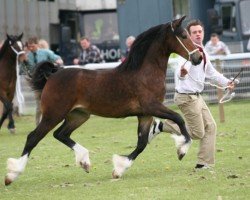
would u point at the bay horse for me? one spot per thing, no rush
(11, 49)
(134, 88)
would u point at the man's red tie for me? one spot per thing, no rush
(203, 55)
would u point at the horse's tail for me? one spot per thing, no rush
(41, 74)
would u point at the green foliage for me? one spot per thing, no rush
(156, 174)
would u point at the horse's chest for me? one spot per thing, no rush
(9, 81)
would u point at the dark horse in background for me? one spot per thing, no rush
(134, 88)
(11, 48)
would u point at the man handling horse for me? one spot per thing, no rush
(189, 83)
(34, 56)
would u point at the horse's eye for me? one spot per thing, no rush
(184, 36)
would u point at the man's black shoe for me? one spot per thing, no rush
(199, 166)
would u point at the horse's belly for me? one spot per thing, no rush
(114, 110)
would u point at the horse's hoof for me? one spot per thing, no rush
(180, 155)
(85, 166)
(115, 175)
(7, 181)
(12, 130)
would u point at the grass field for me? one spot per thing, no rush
(156, 174)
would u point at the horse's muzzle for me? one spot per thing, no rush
(196, 58)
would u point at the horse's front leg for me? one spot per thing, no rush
(15, 167)
(122, 163)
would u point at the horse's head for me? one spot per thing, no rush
(15, 43)
(183, 45)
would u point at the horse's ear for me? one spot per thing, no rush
(178, 22)
(8, 37)
(20, 36)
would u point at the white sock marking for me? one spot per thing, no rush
(121, 163)
(81, 154)
(180, 143)
(16, 166)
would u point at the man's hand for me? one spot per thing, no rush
(183, 71)
(23, 57)
(231, 85)
(76, 61)
(59, 61)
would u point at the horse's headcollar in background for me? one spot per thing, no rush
(18, 48)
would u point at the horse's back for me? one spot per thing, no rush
(100, 92)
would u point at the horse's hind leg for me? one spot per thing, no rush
(16, 166)
(182, 141)
(121, 163)
(73, 120)
(11, 124)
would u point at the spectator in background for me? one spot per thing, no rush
(1, 43)
(43, 44)
(129, 41)
(36, 55)
(216, 47)
(89, 53)
(248, 45)
(29, 61)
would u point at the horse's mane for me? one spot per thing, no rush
(141, 45)
(3, 48)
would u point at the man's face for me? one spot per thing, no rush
(85, 44)
(32, 47)
(214, 40)
(197, 34)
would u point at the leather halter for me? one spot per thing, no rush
(189, 52)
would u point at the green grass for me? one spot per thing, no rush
(156, 174)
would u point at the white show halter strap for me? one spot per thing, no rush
(189, 52)
(19, 94)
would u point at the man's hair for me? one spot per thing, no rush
(84, 38)
(214, 35)
(194, 22)
(32, 40)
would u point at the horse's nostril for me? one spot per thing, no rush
(200, 59)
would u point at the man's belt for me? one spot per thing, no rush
(192, 93)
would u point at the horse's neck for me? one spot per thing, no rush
(9, 58)
(153, 70)
(12, 55)
(159, 56)
(158, 63)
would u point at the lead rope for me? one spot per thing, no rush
(19, 94)
(224, 99)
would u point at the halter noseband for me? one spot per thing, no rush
(189, 52)
(15, 51)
